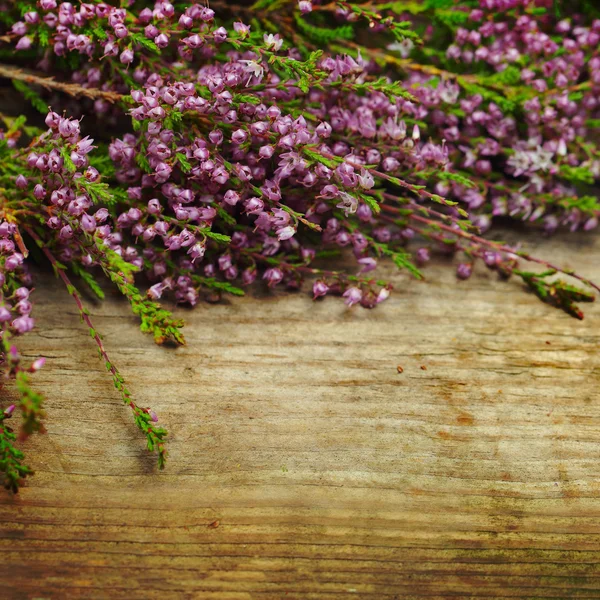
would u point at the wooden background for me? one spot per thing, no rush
(302, 465)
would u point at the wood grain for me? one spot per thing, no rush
(303, 465)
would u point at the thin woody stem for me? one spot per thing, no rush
(498, 246)
(127, 399)
(50, 83)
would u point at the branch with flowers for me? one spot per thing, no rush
(192, 150)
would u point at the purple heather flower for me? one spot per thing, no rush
(285, 233)
(23, 324)
(24, 43)
(242, 29)
(88, 223)
(352, 295)
(13, 262)
(272, 42)
(239, 136)
(422, 256)
(320, 288)
(162, 40)
(273, 276)
(220, 35)
(348, 203)
(38, 364)
(383, 295)
(367, 264)
(207, 14)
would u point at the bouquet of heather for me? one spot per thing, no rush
(193, 149)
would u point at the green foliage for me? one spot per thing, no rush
(31, 405)
(184, 163)
(66, 156)
(580, 174)
(213, 235)
(99, 33)
(405, 6)
(438, 4)
(221, 286)
(392, 89)
(154, 319)
(99, 192)
(509, 76)
(268, 5)
(245, 99)
(11, 459)
(14, 124)
(371, 202)
(173, 119)
(324, 35)
(586, 204)
(557, 293)
(142, 161)
(223, 214)
(488, 94)
(88, 279)
(44, 37)
(141, 40)
(401, 30)
(457, 178)
(317, 157)
(101, 161)
(305, 72)
(452, 18)
(31, 96)
(155, 435)
(401, 259)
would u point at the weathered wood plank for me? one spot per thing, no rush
(302, 465)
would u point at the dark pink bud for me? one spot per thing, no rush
(31, 17)
(239, 136)
(207, 14)
(92, 174)
(23, 324)
(88, 223)
(305, 6)
(22, 293)
(13, 261)
(249, 275)
(273, 276)
(320, 288)
(215, 136)
(162, 40)
(154, 207)
(185, 22)
(52, 120)
(126, 56)
(39, 192)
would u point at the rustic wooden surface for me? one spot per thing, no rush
(302, 465)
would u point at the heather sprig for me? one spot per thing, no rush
(251, 141)
(11, 458)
